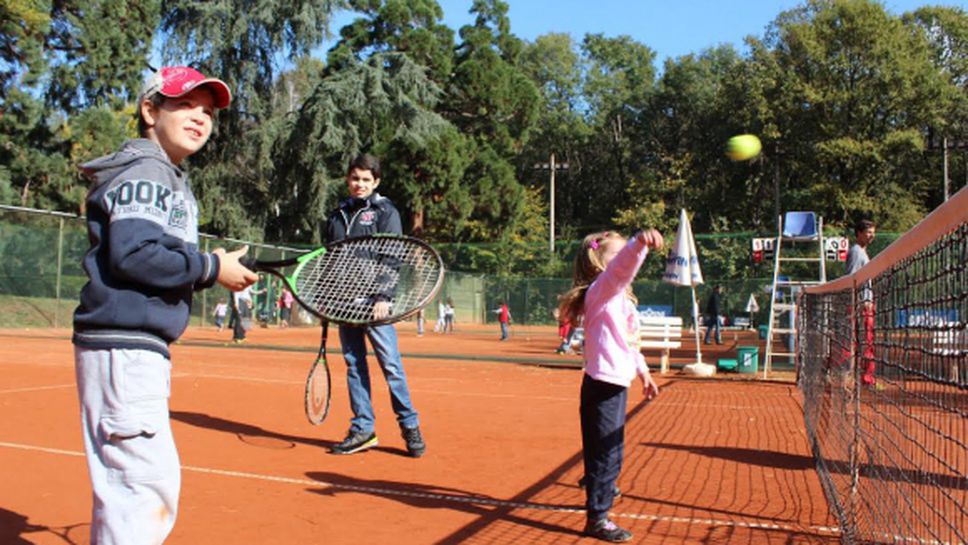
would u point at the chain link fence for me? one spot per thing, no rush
(41, 278)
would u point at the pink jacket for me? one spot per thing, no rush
(611, 321)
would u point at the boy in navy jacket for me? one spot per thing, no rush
(143, 266)
(366, 212)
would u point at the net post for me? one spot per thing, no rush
(60, 262)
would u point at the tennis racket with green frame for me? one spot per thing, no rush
(363, 281)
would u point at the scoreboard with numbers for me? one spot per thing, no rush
(835, 249)
(763, 248)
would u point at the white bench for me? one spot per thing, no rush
(662, 332)
(952, 344)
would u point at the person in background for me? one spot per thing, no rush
(713, 312)
(503, 318)
(441, 324)
(564, 334)
(366, 212)
(420, 323)
(241, 314)
(449, 316)
(857, 258)
(285, 307)
(221, 311)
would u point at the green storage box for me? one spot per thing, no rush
(726, 364)
(748, 358)
(764, 330)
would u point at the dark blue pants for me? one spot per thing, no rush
(603, 442)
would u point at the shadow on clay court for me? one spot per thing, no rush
(261, 437)
(13, 526)
(796, 462)
(763, 458)
(433, 497)
(247, 433)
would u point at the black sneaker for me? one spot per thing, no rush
(616, 491)
(415, 442)
(607, 530)
(355, 442)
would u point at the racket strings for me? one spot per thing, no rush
(346, 282)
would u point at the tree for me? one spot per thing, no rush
(617, 85)
(490, 97)
(424, 175)
(946, 30)
(854, 94)
(413, 27)
(59, 61)
(371, 106)
(555, 65)
(244, 44)
(494, 104)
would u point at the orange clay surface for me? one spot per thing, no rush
(709, 461)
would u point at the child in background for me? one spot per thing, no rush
(564, 333)
(601, 295)
(221, 311)
(441, 317)
(285, 307)
(449, 316)
(503, 318)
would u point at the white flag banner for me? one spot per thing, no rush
(682, 269)
(682, 265)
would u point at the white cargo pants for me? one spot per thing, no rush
(131, 456)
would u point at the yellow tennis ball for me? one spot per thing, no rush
(743, 147)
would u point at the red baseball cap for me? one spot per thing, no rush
(176, 81)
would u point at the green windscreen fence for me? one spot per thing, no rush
(41, 277)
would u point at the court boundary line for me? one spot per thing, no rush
(476, 500)
(36, 388)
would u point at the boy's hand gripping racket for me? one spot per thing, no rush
(370, 280)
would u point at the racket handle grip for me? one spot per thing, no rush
(249, 263)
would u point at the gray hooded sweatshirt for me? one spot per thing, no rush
(144, 263)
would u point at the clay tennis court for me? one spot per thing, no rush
(708, 461)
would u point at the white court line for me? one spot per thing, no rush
(705, 406)
(36, 388)
(475, 500)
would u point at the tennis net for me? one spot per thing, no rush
(883, 367)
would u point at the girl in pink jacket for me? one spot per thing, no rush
(601, 294)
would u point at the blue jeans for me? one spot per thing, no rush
(713, 323)
(504, 331)
(383, 338)
(602, 413)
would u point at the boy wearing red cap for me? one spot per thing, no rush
(143, 266)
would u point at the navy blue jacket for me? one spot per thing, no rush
(144, 263)
(357, 217)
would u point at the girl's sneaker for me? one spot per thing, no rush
(607, 530)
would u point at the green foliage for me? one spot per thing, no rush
(23, 23)
(849, 80)
(374, 105)
(243, 44)
(100, 47)
(851, 103)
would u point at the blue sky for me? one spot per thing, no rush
(671, 28)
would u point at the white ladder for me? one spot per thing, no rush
(782, 303)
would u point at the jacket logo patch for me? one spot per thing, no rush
(142, 199)
(179, 215)
(367, 217)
